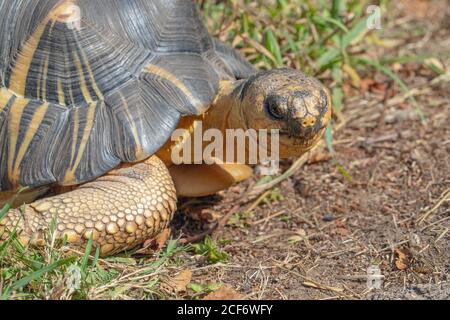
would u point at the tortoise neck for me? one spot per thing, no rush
(225, 111)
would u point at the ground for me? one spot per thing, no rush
(375, 194)
(318, 241)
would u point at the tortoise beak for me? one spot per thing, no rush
(308, 126)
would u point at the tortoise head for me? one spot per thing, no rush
(285, 99)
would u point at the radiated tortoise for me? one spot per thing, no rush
(90, 93)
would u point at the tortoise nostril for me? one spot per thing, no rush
(308, 122)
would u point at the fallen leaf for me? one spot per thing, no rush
(401, 261)
(155, 244)
(224, 293)
(161, 239)
(177, 284)
(366, 84)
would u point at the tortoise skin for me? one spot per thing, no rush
(86, 85)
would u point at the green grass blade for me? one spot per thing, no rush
(330, 56)
(354, 34)
(272, 45)
(36, 275)
(332, 21)
(5, 210)
(96, 257)
(87, 252)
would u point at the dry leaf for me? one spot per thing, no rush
(161, 239)
(178, 283)
(224, 293)
(366, 84)
(155, 244)
(402, 259)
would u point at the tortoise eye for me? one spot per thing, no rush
(273, 107)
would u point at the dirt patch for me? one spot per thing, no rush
(391, 212)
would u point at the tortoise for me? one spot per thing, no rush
(90, 94)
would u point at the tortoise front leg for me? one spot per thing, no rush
(119, 210)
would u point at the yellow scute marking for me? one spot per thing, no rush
(162, 73)
(70, 174)
(91, 75)
(15, 115)
(139, 152)
(21, 69)
(5, 96)
(83, 86)
(29, 135)
(61, 98)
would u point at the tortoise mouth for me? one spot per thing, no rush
(295, 145)
(297, 132)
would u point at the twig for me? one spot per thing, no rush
(268, 218)
(445, 196)
(308, 282)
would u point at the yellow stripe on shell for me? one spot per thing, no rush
(91, 74)
(76, 124)
(72, 100)
(18, 80)
(139, 153)
(59, 88)
(34, 125)
(44, 70)
(5, 96)
(44, 78)
(70, 174)
(15, 115)
(83, 86)
(166, 75)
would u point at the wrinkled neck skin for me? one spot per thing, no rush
(225, 112)
(228, 112)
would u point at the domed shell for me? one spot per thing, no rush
(87, 84)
